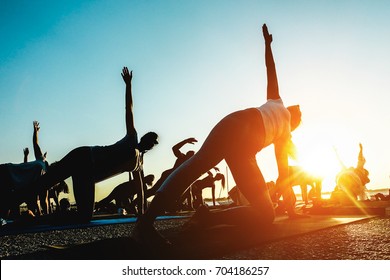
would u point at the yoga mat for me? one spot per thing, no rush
(14, 228)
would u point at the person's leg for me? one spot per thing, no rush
(44, 202)
(241, 159)
(210, 154)
(8, 209)
(145, 199)
(84, 188)
(139, 190)
(221, 139)
(176, 183)
(32, 204)
(251, 184)
(72, 163)
(303, 187)
(84, 194)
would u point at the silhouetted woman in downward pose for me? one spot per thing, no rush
(237, 138)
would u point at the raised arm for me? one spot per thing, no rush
(361, 159)
(178, 146)
(127, 77)
(37, 150)
(272, 80)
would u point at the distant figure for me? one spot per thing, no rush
(16, 179)
(237, 139)
(54, 193)
(64, 205)
(37, 203)
(180, 158)
(208, 182)
(192, 198)
(381, 196)
(44, 206)
(351, 182)
(124, 194)
(89, 165)
(302, 178)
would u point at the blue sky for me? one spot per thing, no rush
(194, 62)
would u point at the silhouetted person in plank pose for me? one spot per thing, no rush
(88, 165)
(124, 194)
(192, 198)
(351, 182)
(237, 138)
(207, 182)
(54, 193)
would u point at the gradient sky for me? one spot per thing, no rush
(194, 62)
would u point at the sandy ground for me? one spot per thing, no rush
(363, 240)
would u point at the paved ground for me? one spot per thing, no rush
(363, 240)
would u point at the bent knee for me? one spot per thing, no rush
(265, 212)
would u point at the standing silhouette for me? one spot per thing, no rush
(237, 138)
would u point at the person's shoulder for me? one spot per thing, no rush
(274, 104)
(130, 137)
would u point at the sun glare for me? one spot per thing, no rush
(321, 157)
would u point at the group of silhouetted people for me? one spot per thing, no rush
(86, 166)
(236, 138)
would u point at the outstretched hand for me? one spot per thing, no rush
(26, 151)
(267, 36)
(126, 75)
(36, 126)
(191, 140)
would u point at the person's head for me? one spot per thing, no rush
(221, 177)
(190, 154)
(148, 141)
(149, 179)
(62, 187)
(363, 175)
(64, 205)
(295, 116)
